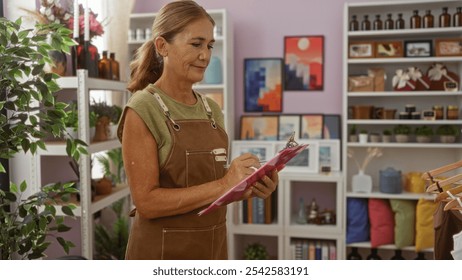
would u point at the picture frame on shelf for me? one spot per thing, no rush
(389, 49)
(365, 49)
(329, 154)
(304, 63)
(288, 124)
(332, 126)
(312, 126)
(448, 47)
(419, 48)
(264, 150)
(263, 84)
(259, 127)
(307, 161)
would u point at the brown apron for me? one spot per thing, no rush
(198, 155)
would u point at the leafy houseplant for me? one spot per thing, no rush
(353, 137)
(112, 158)
(402, 132)
(28, 111)
(423, 134)
(447, 133)
(386, 136)
(255, 251)
(103, 112)
(71, 120)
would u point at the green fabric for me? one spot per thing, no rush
(404, 211)
(148, 108)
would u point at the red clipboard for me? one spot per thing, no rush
(277, 162)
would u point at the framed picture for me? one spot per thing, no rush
(312, 126)
(448, 47)
(263, 84)
(329, 154)
(332, 127)
(361, 49)
(259, 128)
(389, 49)
(304, 63)
(264, 150)
(306, 161)
(217, 97)
(289, 124)
(421, 48)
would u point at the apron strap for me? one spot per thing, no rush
(208, 110)
(165, 109)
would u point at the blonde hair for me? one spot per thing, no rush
(172, 19)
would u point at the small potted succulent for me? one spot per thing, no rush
(375, 137)
(402, 133)
(255, 251)
(423, 134)
(448, 133)
(353, 137)
(363, 135)
(386, 136)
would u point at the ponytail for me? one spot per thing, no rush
(146, 68)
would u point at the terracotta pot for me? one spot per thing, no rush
(102, 128)
(362, 112)
(103, 186)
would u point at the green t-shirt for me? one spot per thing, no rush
(148, 108)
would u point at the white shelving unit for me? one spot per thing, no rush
(411, 156)
(279, 236)
(83, 85)
(223, 49)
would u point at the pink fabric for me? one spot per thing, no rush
(382, 223)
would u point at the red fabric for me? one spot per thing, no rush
(382, 222)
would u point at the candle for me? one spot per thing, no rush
(76, 19)
(87, 22)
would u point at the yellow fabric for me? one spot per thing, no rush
(414, 182)
(425, 233)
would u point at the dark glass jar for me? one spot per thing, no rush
(105, 67)
(354, 255)
(415, 20)
(354, 24)
(87, 57)
(445, 18)
(400, 23)
(457, 18)
(439, 112)
(366, 24)
(428, 19)
(115, 67)
(389, 23)
(378, 25)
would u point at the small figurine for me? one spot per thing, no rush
(313, 216)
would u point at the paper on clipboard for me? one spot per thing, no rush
(277, 162)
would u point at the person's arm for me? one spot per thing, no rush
(141, 164)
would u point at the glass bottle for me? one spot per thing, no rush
(373, 255)
(398, 255)
(104, 67)
(457, 18)
(415, 20)
(354, 255)
(389, 23)
(378, 23)
(400, 23)
(87, 57)
(354, 24)
(366, 24)
(115, 67)
(428, 19)
(445, 18)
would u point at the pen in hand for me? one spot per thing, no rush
(226, 166)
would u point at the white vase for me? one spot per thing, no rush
(363, 138)
(361, 183)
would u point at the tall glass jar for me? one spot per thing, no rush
(428, 19)
(400, 23)
(378, 25)
(366, 24)
(445, 18)
(415, 20)
(354, 24)
(452, 112)
(389, 23)
(457, 18)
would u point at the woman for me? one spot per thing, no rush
(174, 145)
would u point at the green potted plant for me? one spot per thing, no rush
(29, 112)
(423, 134)
(116, 113)
(255, 251)
(363, 135)
(375, 137)
(386, 136)
(353, 137)
(402, 133)
(71, 121)
(448, 133)
(103, 112)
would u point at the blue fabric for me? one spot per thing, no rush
(358, 228)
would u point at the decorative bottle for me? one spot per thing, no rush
(366, 24)
(428, 19)
(87, 58)
(445, 18)
(400, 23)
(378, 23)
(398, 255)
(457, 18)
(373, 255)
(354, 24)
(389, 23)
(115, 67)
(104, 67)
(354, 255)
(415, 20)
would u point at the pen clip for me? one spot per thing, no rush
(291, 142)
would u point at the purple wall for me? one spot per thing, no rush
(259, 30)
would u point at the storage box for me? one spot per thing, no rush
(379, 78)
(360, 83)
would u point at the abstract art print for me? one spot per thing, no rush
(259, 127)
(263, 84)
(312, 126)
(288, 124)
(304, 63)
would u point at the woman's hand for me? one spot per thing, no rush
(266, 185)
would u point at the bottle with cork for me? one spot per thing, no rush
(115, 67)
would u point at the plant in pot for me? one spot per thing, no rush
(29, 113)
(423, 134)
(255, 251)
(103, 112)
(116, 113)
(363, 135)
(353, 137)
(386, 136)
(71, 121)
(402, 133)
(448, 133)
(375, 137)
